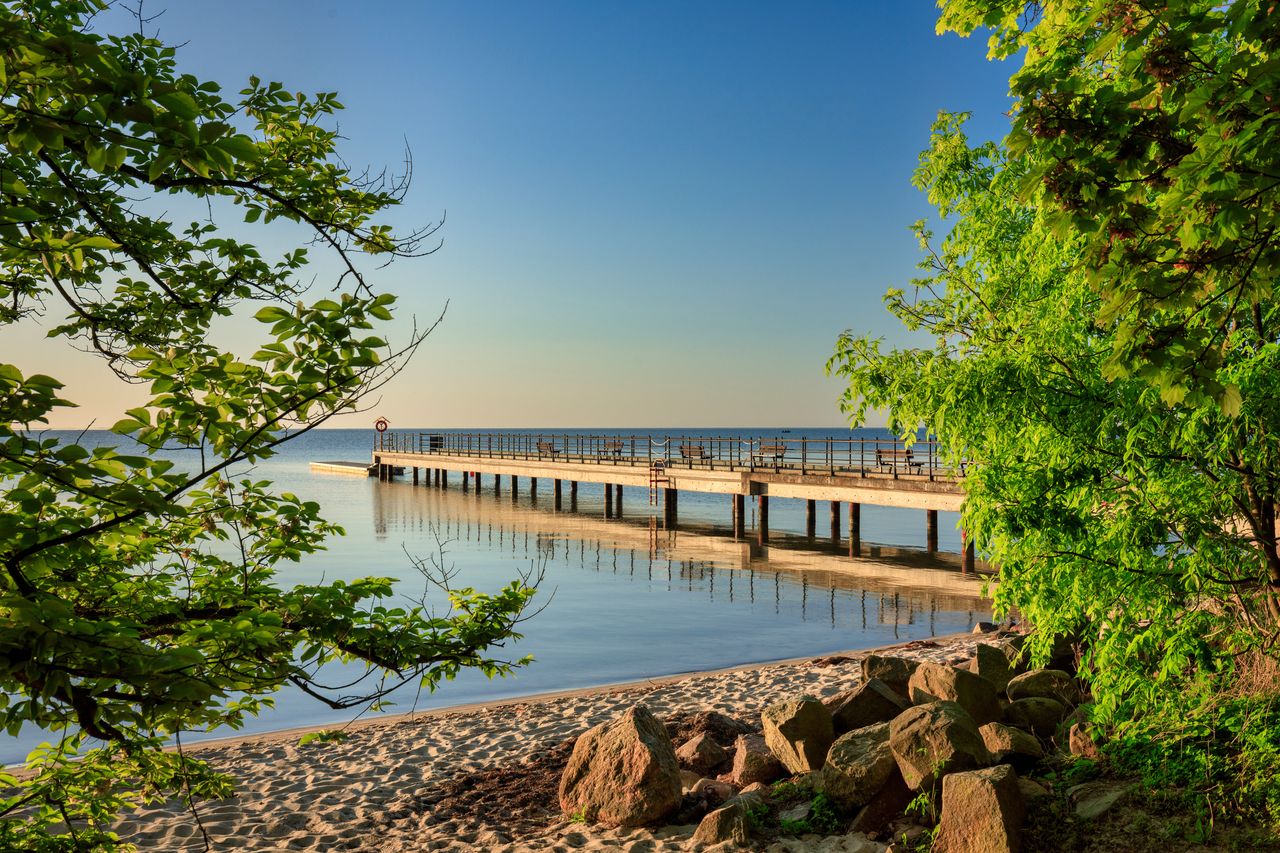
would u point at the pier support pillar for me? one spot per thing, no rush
(670, 504)
(444, 478)
(608, 500)
(835, 522)
(533, 489)
(555, 494)
(497, 485)
(739, 516)
(617, 501)
(415, 475)
(966, 554)
(515, 488)
(931, 530)
(466, 478)
(855, 530)
(810, 518)
(762, 522)
(573, 495)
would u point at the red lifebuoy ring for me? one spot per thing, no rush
(381, 424)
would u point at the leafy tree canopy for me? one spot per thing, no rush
(138, 598)
(1106, 331)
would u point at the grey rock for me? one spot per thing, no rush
(893, 671)
(865, 705)
(1044, 684)
(935, 738)
(932, 682)
(799, 732)
(1036, 715)
(982, 812)
(623, 772)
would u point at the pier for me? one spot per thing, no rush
(835, 471)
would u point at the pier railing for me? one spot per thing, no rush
(848, 456)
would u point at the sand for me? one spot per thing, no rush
(378, 789)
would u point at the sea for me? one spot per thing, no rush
(621, 598)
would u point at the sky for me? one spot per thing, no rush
(657, 214)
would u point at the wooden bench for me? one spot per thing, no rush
(546, 448)
(895, 459)
(769, 454)
(613, 448)
(695, 453)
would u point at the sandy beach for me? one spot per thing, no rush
(471, 778)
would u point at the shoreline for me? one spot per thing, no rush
(551, 695)
(424, 780)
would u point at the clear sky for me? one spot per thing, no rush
(659, 214)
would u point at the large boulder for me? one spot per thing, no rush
(935, 738)
(857, 767)
(865, 705)
(729, 823)
(622, 773)
(893, 671)
(1044, 684)
(799, 732)
(754, 762)
(933, 682)
(1008, 745)
(1036, 715)
(885, 807)
(982, 812)
(996, 662)
(701, 754)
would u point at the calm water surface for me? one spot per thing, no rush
(622, 598)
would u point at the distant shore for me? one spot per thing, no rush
(384, 786)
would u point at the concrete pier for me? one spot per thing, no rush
(850, 470)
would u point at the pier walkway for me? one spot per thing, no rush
(836, 470)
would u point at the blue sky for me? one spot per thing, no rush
(659, 214)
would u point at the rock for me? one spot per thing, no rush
(1094, 798)
(995, 663)
(622, 773)
(982, 812)
(937, 737)
(867, 704)
(753, 762)
(756, 789)
(984, 627)
(795, 813)
(1044, 684)
(895, 672)
(701, 754)
(932, 682)
(722, 728)
(1008, 745)
(726, 824)
(1036, 715)
(857, 767)
(887, 804)
(717, 792)
(799, 732)
(688, 779)
(1031, 789)
(1080, 741)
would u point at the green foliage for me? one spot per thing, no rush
(323, 736)
(139, 598)
(1215, 755)
(1106, 341)
(1102, 505)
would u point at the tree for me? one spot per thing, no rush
(139, 598)
(1106, 332)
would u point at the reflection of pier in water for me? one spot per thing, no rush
(889, 586)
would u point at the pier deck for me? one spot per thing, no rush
(855, 471)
